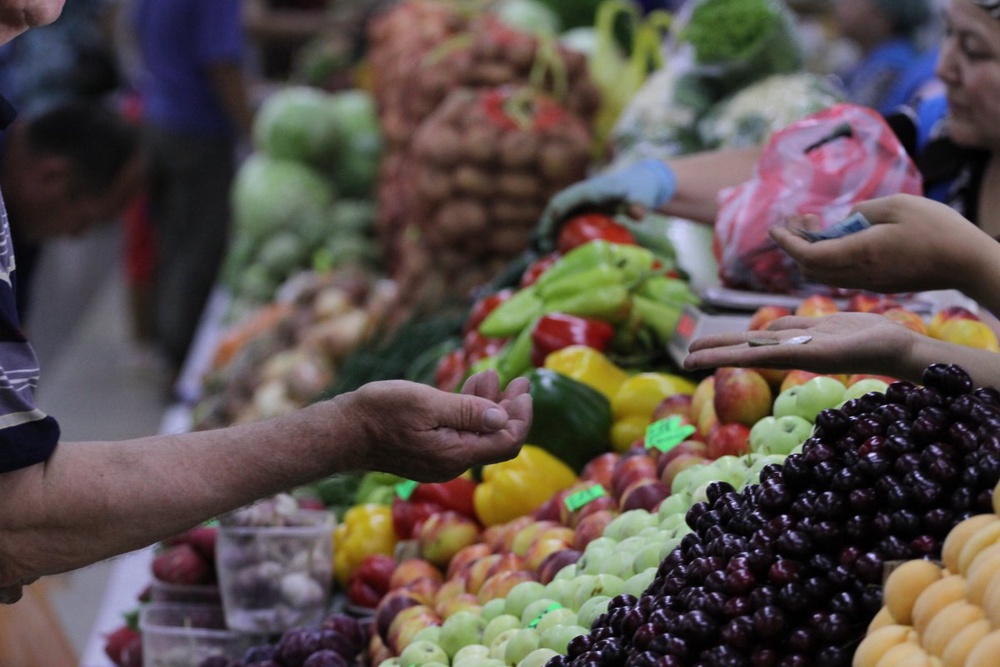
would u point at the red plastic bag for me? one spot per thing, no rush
(822, 164)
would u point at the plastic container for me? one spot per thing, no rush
(182, 635)
(275, 577)
(161, 591)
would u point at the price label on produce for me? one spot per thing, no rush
(405, 489)
(575, 501)
(667, 433)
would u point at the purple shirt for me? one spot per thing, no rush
(178, 39)
(27, 435)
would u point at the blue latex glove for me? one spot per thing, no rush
(650, 183)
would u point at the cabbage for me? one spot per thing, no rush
(528, 16)
(299, 123)
(270, 194)
(355, 169)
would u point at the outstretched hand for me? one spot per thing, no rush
(429, 435)
(914, 244)
(840, 343)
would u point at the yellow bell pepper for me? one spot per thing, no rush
(365, 529)
(589, 366)
(519, 486)
(633, 404)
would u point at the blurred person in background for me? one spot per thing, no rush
(892, 37)
(63, 171)
(196, 113)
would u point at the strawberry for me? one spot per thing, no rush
(120, 645)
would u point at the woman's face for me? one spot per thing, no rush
(969, 66)
(16, 16)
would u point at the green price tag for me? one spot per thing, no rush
(667, 433)
(538, 619)
(575, 501)
(405, 489)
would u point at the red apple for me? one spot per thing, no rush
(796, 377)
(689, 446)
(443, 534)
(510, 530)
(677, 404)
(600, 469)
(408, 623)
(707, 419)
(742, 396)
(478, 571)
(591, 527)
(455, 604)
(866, 302)
(450, 588)
(631, 469)
(729, 440)
(704, 393)
(410, 570)
(856, 377)
(541, 548)
(644, 495)
(500, 584)
(571, 519)
(945, 314)
(552, 509)
(907, 318)
(389, 607)
(524, 537)
(817, 305)
(556, 561)
(465, 556)
(765, 315)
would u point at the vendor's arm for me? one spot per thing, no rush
(842, 343)
(686, 187)
(914, 244)
(93, 500)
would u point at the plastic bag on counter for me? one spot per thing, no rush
(822, 164)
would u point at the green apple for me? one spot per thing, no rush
(561, 616)
(523, 642)
(676, 504)
(431, 633)
(628, 524)
(461, 629)
(786, 402)
(601, 584)
(779, 435)
(648, 556)
(537, 610)
(558, 637)
(760, 462)
(498, 647)
(639, 582)
(591, 609)
(390, 662)
(493, 608)
(557, 590)
(862, 387)
(522, 595)
(423, 652)
(818, 394)
(538, 658)
(671, 523)
(498, 626)
(470, 656)
(567, 573)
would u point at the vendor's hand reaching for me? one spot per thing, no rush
(641, 186)
(429, 435)
(840, 343)
(914, 244)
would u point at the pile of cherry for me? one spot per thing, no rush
(788, 572)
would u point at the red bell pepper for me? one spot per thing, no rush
(407, 516)
(477, 346)
(370, 580)
(450, 370)
(455, 495)
(557, 330)
(586, 227)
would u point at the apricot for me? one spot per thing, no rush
(947, 623)
(904, 584)
(979, 540)
(983, 570)
(934, 598)
(882, 619)
(959, 646)
(959, 535)
(877, 643)
(985, 652)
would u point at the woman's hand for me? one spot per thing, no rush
(839, 343)
(914, 244)
(429, 435)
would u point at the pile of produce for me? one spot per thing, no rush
(427, 78)
(484, 166)
(282, 357)
(304, 195)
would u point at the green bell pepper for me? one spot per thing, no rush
(571, 420)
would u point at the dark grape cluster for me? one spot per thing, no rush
(336, 642)
(788, 572)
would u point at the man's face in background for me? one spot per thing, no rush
(16, 16)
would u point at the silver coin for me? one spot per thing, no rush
(797, 340)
